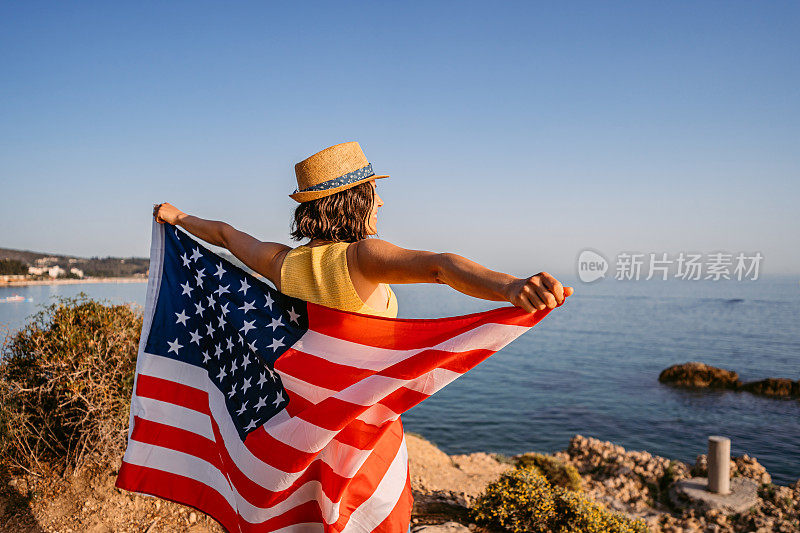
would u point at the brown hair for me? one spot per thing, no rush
(340, 217)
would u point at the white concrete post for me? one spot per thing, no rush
(719, 465)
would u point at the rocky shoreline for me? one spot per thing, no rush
(636, 483)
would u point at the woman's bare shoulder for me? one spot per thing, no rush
(383, 262)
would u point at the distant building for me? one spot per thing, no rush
(56, 271)
(38, 271)
(46, 261)
(77, 271)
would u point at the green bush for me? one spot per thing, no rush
(576, 512)
(522, 500)
(556, 471)
(65, 384)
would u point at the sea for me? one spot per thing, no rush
(591, 367)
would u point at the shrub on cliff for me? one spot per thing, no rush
(556, 471)
(522, 500)
(65, 384)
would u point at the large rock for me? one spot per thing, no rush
(695, 374)
(777, 387)
(455, 480)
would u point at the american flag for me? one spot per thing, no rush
(269, 413)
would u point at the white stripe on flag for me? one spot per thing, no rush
(173, 415)
(193, 467)
(490, 336)
(378, 506)
(345, 460)
(376, 415)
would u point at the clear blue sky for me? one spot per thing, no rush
(516, 134)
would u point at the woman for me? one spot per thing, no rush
(340, 266)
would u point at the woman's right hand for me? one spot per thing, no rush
(537, 292)
(166, 212)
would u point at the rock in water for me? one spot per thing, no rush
(695, 374)
(778, 387)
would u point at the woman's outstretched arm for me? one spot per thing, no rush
(256, 254)
(381, 262)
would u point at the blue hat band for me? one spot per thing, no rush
(345, 179)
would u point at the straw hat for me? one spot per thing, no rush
(334, 169)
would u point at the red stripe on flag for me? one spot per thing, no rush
(319, 371)
(316, 470)
(305, 512)
(371, 473)
(409, 334)
(428, 360)
(333, 485)
(336, 376)
(179, 489)
(176, 439)
(400, 517)
(172, 392)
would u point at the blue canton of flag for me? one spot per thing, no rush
(212, 314)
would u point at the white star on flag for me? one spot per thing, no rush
(187, 289)
(182, 318)
(276, 323)
(278, 399)
(222, 290)
(220, 271)
(248, 326)
(262, 402)
(244, 287)
(174, 347)
(276, 343)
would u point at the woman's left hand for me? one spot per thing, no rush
(166, 212)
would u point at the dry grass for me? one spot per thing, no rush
(65, 385)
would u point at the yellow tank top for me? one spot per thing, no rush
(319, 274)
